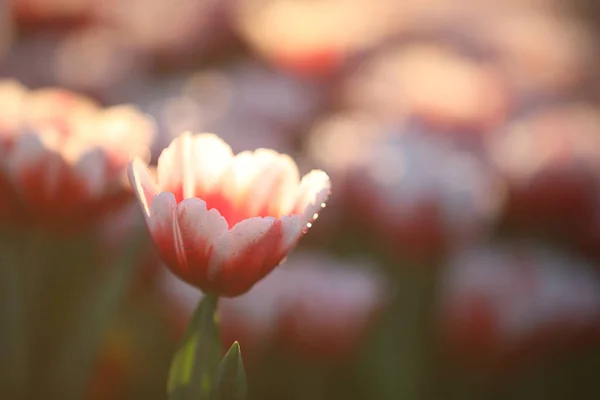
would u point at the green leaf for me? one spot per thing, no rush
(231, 377)
(195, 364)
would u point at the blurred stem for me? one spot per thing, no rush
(402, 358)
(78, 348)
(13, 320)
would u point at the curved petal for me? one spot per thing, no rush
(246, 254)
(125, 131)
(165, 232)
(260, 183)
(312, 195)
(42, 177)
(142, 183)
(199, 228)
(192, 164)
(12, 106)
(270, 192)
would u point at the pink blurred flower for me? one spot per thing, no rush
(422, 195)
(65, 157)
(540, 51)
(509, 304)
(551, 160)
(313, 306)
(305, 38)
(342, 144)
(223, 222)
(434, 83)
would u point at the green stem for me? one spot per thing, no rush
(78, 350)
(196, 362)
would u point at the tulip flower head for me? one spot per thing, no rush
(64, 157)
(510, 304)
(222, 222)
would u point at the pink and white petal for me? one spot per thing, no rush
(212, 157)
(246, 254)
(174, 166)
(126, 131)
(142, 183)
(13, 97)
(237, 176)
(165, 232)
(271, 191)
(313, 192)
(28, 157)
(200, 229)
(28, 149)
(92, 170)
(293, 229)
(191, 163)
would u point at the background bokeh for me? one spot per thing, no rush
(458, 256)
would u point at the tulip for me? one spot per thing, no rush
(279, 31)
(63, 157)
(550, 160)
(509, 305)
(222, 222)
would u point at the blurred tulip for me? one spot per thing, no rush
(505, 305)
(551, 159)
(313, 306)
(223, 222)
(422, 195)
(541, 53)
(12, 102)
(302, 36)
(67, 158)
(342, 144)
(443, 88)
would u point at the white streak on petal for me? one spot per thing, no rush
(142, 184)
(163, 220)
